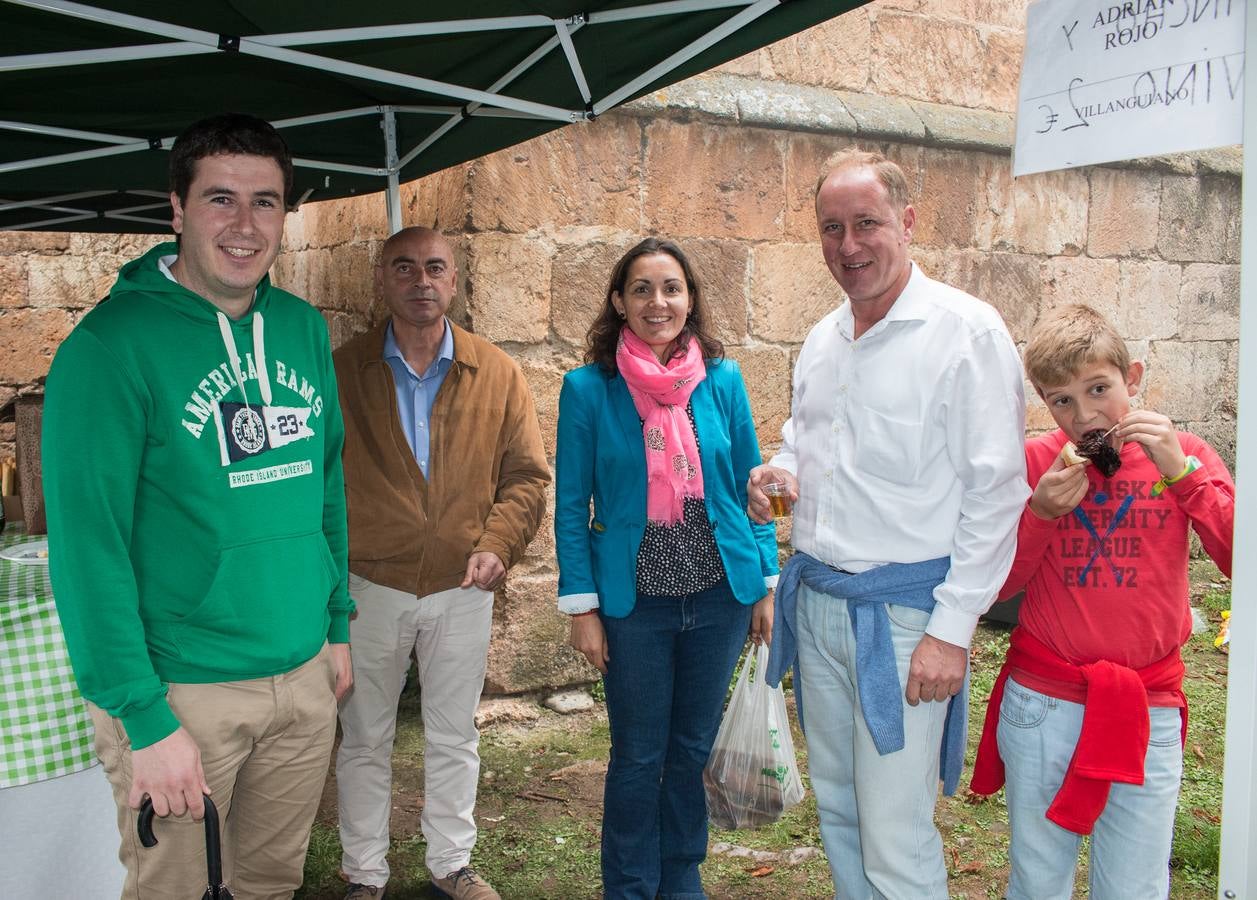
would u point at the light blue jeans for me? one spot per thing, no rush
(876, 812)
(1130, 844)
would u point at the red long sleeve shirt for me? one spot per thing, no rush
(1109, 580)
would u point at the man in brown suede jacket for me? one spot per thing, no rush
(445, 480)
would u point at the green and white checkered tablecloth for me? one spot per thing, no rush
(45, 730)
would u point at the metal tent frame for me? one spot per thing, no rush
(135, 206)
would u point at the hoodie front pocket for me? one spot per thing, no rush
(266, 608)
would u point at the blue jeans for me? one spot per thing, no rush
(876, 812)
(670, 663)
(1130, 844)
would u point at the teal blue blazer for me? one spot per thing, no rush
(600, 455)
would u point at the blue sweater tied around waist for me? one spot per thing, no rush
(881, 694)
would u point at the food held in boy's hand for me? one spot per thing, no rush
(1070, 454)
(1095, 446)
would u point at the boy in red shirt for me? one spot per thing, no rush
(1086, 722)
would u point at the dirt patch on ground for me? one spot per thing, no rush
(574, 790)
(570, 790)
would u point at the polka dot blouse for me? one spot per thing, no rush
(675, 560)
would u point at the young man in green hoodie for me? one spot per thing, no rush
(192, 470)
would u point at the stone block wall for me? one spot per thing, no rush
(725, 163)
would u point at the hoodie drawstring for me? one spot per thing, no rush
(259, 353)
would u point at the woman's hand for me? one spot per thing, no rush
(589, 638)
(762, 620)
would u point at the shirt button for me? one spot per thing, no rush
(842, 388)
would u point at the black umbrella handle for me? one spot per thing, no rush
(213, 843)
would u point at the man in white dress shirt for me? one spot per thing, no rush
(904, 446)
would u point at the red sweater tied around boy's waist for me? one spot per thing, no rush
(1115, 726)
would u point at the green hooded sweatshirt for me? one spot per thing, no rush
(196, 504)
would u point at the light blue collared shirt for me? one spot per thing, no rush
(416, 393)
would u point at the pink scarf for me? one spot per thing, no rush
(660, 394)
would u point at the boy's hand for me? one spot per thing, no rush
(1158, 437)
(1060, 489)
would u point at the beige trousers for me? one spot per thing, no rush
(265, 746)
(449, 634)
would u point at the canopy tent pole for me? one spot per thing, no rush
(409, 29)
(392, 196)
(67, 58)
(75, 133)
(44, 223)
(5, 206)
(128, 213)
(410, 82)
(471, 109)
(564, 30)
(1237, 870)
(115, 150)
(728, 27)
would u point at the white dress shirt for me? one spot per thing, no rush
(908, 445)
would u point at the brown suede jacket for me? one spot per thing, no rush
(487, 467)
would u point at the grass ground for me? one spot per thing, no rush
(541, 788)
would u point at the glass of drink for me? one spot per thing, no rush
(778, 498)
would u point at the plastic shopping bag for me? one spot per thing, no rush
(752, 776)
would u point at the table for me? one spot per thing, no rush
(58, 821)
(45, 730)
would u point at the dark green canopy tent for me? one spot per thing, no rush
(368, 94)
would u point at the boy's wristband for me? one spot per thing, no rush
(1166, 480)
(588, 612)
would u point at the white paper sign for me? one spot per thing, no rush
(1118, 79)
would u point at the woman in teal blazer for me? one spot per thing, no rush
(667, 576)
